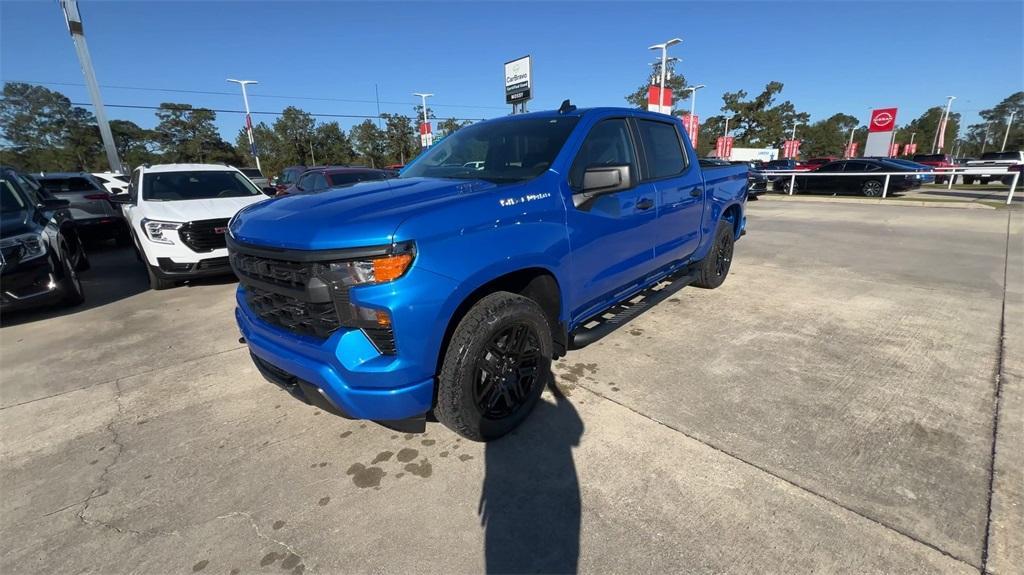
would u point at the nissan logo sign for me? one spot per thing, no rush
(883, 119)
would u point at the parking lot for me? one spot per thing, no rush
(850, 400)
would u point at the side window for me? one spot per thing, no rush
(607, 144)
(133, 186)
(662, 149)
(319, 182)
(79, 184)
(833, 167)
(305, 182)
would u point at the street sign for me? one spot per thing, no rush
(518, 83)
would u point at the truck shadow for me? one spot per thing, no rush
(530, 501)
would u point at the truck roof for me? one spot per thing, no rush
(580, 112)
(187, 168)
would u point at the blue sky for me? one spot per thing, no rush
(832, 56)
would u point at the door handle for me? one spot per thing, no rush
(696, 192)
(644, 204)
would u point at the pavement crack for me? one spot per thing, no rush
(997, 404)
(101, 489)
(260, 534)
(790, 482)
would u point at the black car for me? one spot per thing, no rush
(779, 165)
(757, 182)
(867, 184)
(40, 250)
(90, 205)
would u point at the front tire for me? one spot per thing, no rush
(715, 266)
(871, 189)
(71, 285)
(495, 367)
(156, 282)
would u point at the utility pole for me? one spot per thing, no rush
(1009, 124)
(664, 62)
(74, 21)
(248, 120)
(984, 140)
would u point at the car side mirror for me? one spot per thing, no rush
(53, 203)
(123, 199)
(607, 179)
(270, 191)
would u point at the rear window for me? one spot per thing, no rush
(1000, 156)
(198, 185)
(252, 172)
(74, 184)
(661, 147)
(931, 158)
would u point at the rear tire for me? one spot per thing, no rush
(871, 189)
(715, 266)
(495, 367)
(156, 282)
(785, 187)
(82, 261)
(968, 181)
(71, 285)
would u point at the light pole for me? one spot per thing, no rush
(725, 133)
(984, 139)
(942, 125)
(423, 99)
(849, 145)
(1009, 124)
(664, 61)
(248, 119)
(693, 98)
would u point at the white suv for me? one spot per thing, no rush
(178, 215)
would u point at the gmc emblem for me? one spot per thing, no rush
(222, 230)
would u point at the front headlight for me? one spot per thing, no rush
(373, 270)
(32, 245)
(154, 230)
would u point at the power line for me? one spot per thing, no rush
(218, 93)
(220, 110)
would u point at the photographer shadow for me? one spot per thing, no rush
(530, 501)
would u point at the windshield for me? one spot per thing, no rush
(10, 199)
(199, 185)
(1000, 156)
(289, 176)
(501, 151)
(252, 172)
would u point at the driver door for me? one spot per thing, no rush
(612, 235)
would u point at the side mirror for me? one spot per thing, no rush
(53, 203)
(123, 199)
(270, 191)
(607, 179)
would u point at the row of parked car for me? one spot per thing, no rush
(50, 218)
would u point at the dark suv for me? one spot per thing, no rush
(40, 250)
(90, 206)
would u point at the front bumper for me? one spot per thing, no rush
(28, 284)
(345, 369)
(167, 268)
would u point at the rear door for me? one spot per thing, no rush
(828, 183)
(679, 186)
(612, 235)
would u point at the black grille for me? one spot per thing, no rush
(382, 338)
(204, 235)
(288, 274)
(213, 263)
(293, 314)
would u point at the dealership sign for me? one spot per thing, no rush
(653, 104)
(894, 150)
(692, 125)
(880, 129)
(790, 149)
(723, 147)
(518, 84)
(851, 150)
(882, 120)
(909, 149)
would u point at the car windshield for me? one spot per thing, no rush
(198, 185)
(1000, 156)
(501, 151)
(10, 199)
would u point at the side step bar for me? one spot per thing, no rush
(627, 310)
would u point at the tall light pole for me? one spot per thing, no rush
(248, 120)
(942, 125)
(664, 61)
(693, 98)
(1009, 124)
(984, 139)
(423, 99)
(74, 21)
(849, 144)
(725, 132)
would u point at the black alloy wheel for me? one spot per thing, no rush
(507, 370)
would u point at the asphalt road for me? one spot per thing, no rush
(851, 400)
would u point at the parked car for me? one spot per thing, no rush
(757, 183)
(256, 176)
(780, 165)
(814, 163)
(112, 182)
(317, 180)
(1001, 161)
(179, 217)
(288, 177)
(866, 185)
(936, 161)
(914, 166)
(41, 252)
(462, 285)
(90, 205)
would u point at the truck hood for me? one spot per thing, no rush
(365, 214)
(192, 210)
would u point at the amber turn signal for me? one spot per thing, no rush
(391, 267)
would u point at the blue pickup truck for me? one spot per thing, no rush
(451, 288)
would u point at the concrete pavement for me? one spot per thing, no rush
(831, 408)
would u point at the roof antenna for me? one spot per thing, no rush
(566, 107)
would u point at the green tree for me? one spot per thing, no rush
(449, 126)
(368, 141)
(295, 134)
(677, 82)
(267, 146)
(761, 122)
(925, 127)
(399, 137)
(186, 134)
(993, 128)
(333, 145)
(418, 116)
(42, 131)
(826, 137)
(132, 142)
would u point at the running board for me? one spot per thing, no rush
(629, 309)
